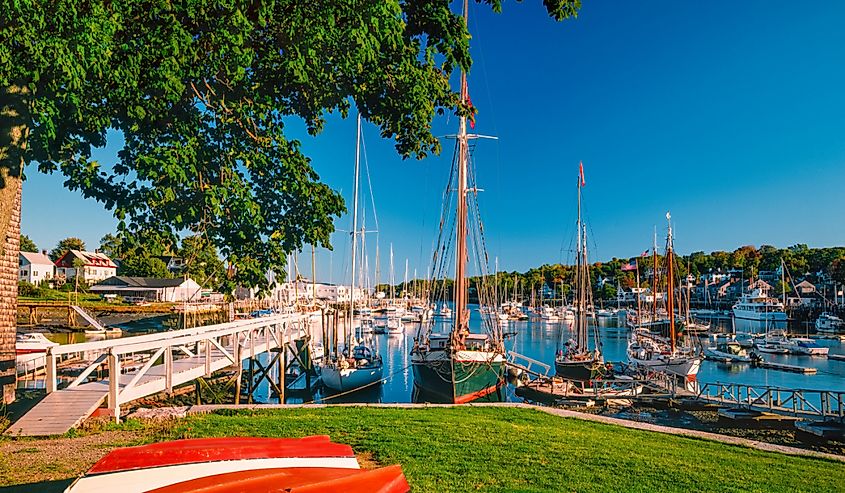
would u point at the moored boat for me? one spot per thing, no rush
(828, 323)
(460, 366)
(575, 360)
(657, 353)
(228, 465)
(728, 351)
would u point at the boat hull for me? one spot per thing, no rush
(463, 377)
(683, 366)
(581, 371)
(350, 379)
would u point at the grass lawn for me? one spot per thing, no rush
(508, 449)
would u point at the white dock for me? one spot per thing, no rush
(172, 358)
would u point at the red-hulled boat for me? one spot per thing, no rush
(228, 465)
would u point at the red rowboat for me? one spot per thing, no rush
(228, 465)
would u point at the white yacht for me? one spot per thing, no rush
(757, 310)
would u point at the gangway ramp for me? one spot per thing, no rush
(169, 359)
(88, 318)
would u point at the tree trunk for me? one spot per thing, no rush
(13, 134)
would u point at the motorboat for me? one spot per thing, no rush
(805, 346)
(828, 323)
(32, 342)
(729, 351)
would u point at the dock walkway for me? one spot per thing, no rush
(172, 358)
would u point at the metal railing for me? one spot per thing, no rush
(516, 360)
(805, 403)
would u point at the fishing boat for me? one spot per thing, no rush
(229, 465)
(828, 323)
(359, 365)
(658, 353)
(460, 366)
(575, 360)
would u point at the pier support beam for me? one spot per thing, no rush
(114, 385)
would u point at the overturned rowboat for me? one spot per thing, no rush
(228, 465)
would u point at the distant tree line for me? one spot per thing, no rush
(800, 260)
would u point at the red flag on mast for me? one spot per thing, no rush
(581, 173)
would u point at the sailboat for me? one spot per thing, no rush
(359, 365)
(575, 361)
(459, 366)
(657, 353)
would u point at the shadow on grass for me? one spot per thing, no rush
(42, 487)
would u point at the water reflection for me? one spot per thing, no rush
(533, 338)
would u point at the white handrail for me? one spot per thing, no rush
(170, 335)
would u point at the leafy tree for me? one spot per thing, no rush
(202, 263)
(144, 266)
(201, 93)
(112, 245)
(66, 244)
(27, 245)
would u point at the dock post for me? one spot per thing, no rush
(114, 384)
(250, 383)
(207, 358)
(282, 367)
(236, 351)
(50, 369)
(168, 370)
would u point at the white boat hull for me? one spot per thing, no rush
(684, 366)
(348, 379)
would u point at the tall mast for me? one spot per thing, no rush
(580, 316)
(405, 280)
(670, 295)
(354, 227)
(313, 276)
(461, 293)
(392, 281)
(654, 280)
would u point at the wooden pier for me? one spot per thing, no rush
(806, 370)
(170, 359)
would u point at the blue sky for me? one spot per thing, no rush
(731, 115)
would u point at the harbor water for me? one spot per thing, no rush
(533, 338)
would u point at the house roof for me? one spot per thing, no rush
(36, 258)
(90, 258)
(141, 282)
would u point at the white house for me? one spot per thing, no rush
(96, 266)
(150, 288)
(304, 291)
(35, 267)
